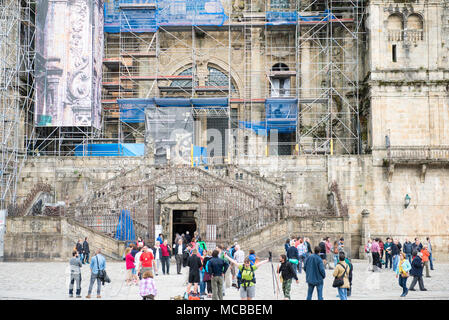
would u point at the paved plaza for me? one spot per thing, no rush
(49, 280)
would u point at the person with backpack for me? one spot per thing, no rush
(315, 274)
(287, 272)
(239, 256)
(302, 253)
(402, 272)
(248, 282)
(206, 275)
(195, 264)
(351, 268)
(341, 275)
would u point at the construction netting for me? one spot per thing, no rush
(110, 150)
(125, 228)
(149, 15)
(293, 17)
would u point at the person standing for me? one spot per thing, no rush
(217, 267)
(206, 275)
(247, 287)
(137, 263)
(288, 272)
(178, 249)
(224, 254)
(86, 251)
(329, 255)
(416, 272)
(429, 247)
(375, 251)
(342, 271)
(315, 273)
(369, 255)
(129, 263)
(97, 264)
(146, 260)
(425, 259)
(286, 245)
(157, 257)
(388, 255)
(75, 274)
(417, 245)
(335, 252)
(308, 246)
(341, 245)
(381, 252)
(160, 238)
(79, 249)
(322, 254)
(395, 250)
(165, 259)
(195, 264)
(408, 250)
(188, 237)
(147, 288)
(402, 272)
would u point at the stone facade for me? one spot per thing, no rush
(43, 238)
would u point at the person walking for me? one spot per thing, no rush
(247, 287)
(147, 288)
(416, 272)
(75, 274)
(137, 262)
(342, 272)
(86, 251)
(429, 248)
(369, 255)
(195, 264)
(165, 258)
(217, 267)
(402, 273)
(287, 272)
(425, 259)
(178, 250)
(407, 249)
(293, 255)
(302, 253)
(97, 264)
(315, 273)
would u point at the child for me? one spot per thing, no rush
(147, 286)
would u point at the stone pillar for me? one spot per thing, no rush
(364, 233)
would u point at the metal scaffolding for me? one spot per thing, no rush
(16, 91)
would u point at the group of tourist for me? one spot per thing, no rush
(407, 259)
(210, 272)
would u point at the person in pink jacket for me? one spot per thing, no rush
(130, 267)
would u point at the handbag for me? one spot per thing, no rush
(102, 275)
(338, 282)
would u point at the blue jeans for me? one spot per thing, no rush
(319, 289)
(409, 257)
(202, 284)
(335, 259)
(395, 262)
(301, 261)
(82, 258)
(388, 257)
(403, 285)
(431, 262)
(343, 293)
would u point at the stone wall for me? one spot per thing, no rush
(52, 238)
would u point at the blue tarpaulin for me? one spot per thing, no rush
(110, 150)
(148, 18)
(125, 227)
(199, 156)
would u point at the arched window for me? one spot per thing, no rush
(279, 84)
(395, 27)
(218, 78)
(415, 28)
(184, 83)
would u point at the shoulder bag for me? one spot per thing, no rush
(338, 282)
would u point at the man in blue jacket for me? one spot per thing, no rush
(292, 253)
(416, 272)
(97, 263)
(315, 273)
(217, 268)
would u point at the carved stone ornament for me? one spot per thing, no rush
(184, 194)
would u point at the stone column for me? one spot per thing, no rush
(364, 233)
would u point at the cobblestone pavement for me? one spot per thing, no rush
(49, 280)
